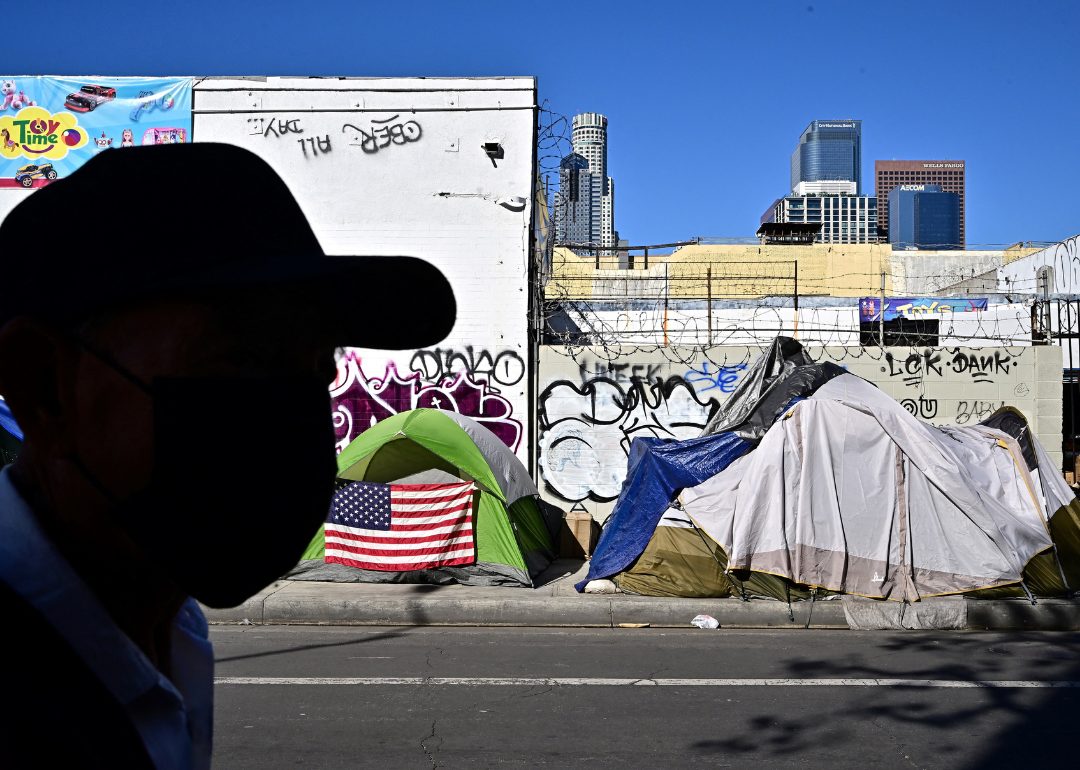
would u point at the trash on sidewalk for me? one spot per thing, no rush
(634, 625)
(600, 587)
(705, 621)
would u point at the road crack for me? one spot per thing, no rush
(423, 744)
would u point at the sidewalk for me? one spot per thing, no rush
(556, 603)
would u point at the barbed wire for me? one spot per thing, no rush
(709, 298)
(688, 307)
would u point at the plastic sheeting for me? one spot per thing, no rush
(783, 373)
(657, 470)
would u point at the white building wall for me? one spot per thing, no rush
(1063, 259)
(395, 167)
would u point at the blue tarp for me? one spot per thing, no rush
(7, 422)
(656, 470)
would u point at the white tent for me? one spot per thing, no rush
(850, 493)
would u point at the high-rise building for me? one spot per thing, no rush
(585, 203)
(949, 174)
(922, 216)
(844, 218)
(829, 151)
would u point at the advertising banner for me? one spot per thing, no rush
(51, 126)
(912, 308)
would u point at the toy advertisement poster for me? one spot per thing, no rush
(51, 126)
(918, 307)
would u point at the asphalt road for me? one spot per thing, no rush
(423, 726)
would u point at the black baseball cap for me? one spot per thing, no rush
(136, 223)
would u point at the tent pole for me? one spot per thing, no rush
(813, 595)
(1026, 591)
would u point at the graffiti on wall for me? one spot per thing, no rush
(504, 368)
(586, 427)
(382, 133)
(931, 362)
(360, 401)
(592, 406)
(317, 145)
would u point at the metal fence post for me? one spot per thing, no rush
(708, 291)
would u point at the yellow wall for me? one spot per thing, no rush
(743, 270)
(753, 270)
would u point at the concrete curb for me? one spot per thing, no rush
(310, 603)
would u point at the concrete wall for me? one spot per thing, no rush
(921, 273)
(395, 166)
(593, 404)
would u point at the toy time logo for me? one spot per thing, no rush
(36, 133)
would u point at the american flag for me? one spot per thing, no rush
(401, 527)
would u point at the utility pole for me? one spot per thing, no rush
(881, 319)
(708, 290)
(796, 299)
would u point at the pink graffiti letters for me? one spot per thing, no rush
(360, 401)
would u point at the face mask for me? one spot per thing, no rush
(243, 477)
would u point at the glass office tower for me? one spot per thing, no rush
(829, 150)
(922, 216)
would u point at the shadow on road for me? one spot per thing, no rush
(301, 648)
(964, 728)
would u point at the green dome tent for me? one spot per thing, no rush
(426, 446)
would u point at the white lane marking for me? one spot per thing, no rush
(570, 682)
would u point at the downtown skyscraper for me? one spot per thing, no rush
(585, 204)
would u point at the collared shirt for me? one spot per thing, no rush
(173, 715)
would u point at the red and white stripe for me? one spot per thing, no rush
(431, 525)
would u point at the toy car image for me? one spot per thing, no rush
(89, 98)
(27, 174)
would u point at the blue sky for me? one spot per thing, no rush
(705, 100)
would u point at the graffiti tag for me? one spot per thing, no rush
(360, 402)
(917, 366)
(504, 368)
(722, 377)
(383, 133)
(981, 367)
(323, 145)
(977, 410)
(586, 430)
(276, 127)
(926, 408)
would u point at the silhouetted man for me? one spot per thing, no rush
(168, 324)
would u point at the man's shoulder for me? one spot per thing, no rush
(52, 699)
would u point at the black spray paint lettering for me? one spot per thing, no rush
(323, 145)
(981, 367)
(504, 368)
(977, 410)
(381, 135)
(914, 367)
(291, 126)
(642, 408)
(621, 373)
(926, 408)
